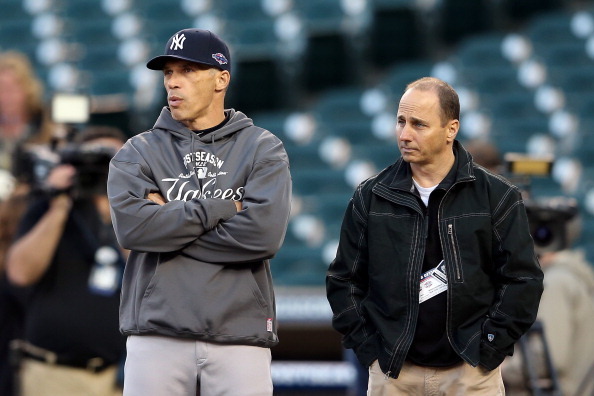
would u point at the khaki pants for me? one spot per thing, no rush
(460, 380)
(44, 379)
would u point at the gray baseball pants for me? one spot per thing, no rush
(157, 366)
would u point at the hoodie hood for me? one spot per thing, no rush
(237, 121)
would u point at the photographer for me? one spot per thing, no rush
(66, 255)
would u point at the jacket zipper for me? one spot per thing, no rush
(456, 266)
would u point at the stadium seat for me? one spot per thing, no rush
(511, 134)
(330, 60)
(396, 33)
(512, 105)
(96, 31)
(521, 11)
(12, 10)
(80, 9)
(565, 53)
(109, 82)
(493, 80)
(17, 32)
(298, 265)
(584, 150)
(572, 79)
(480, 50)
(102, 57)
(305, 157)
(341, 103)
(239, 11)
(319, 181)
(458, 19)
(398, 77)
(550, 28)
(381, 154)
(581, 104)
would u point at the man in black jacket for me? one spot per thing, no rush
(435, 276)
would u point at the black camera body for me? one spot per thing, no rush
(550, 221)
(92, 167)
(91, 164)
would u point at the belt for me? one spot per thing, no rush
(94, 365)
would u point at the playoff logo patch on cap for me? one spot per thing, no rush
(220, 58)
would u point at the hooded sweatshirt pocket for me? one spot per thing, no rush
(192, 297)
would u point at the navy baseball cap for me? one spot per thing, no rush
(194, 45)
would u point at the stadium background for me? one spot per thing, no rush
(326, 76)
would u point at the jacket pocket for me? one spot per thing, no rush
(454, 253)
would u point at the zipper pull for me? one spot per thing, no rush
(387, 375)
(450, 229)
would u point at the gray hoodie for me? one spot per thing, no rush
(197, 268)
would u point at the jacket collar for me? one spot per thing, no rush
(399, 175)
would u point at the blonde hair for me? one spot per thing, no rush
(19, 64)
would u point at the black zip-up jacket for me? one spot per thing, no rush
(494, 278)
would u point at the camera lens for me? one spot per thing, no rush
(543, 235)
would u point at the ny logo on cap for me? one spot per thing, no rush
(178, 42)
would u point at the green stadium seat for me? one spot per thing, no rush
(480, 50)
(550, 28)
(494, 80)
(458, 19)
(398, 77)
(397, 33)
(511, 134)
(12, 10)
(239, 11)
(298, 265)
(571, 79)
(330, 59)
(565, 53)
(319, 181)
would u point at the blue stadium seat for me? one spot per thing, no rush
(304, 157)
(17, 32)
(565, 53)
(12, 10)
(550, 28)
(572, 79)
(397, 33)
(239, 11)
(403, 73)
(494, 80)
(298, 265)
(512, 105)
(511, 134)
(319, 181)
(381, 154)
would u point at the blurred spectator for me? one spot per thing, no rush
(24, 125)
(566, 309)
(567, 314)
(67, 256)
(485, 154)
(22, 112)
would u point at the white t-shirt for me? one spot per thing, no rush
(424, 192)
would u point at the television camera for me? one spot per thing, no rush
(552, 219)
(34, 164)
